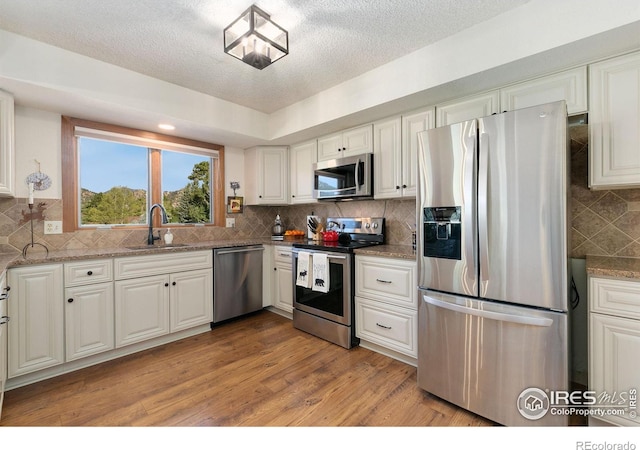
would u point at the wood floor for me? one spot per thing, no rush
(257, 371)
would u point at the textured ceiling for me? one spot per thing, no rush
(180, 41)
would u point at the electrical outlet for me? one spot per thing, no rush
(53, 227)
(231, 222)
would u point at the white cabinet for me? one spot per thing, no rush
(36, 329)
(190, 299)
(614, 121)
(614, 342)
(468, 108)
(354, 141)
(141, 309)
(89, 308)
(268, 266)
(303, 156)
(7, 150)
(570, 86)
(266, 174)
(4, 319)
(160, 294)
(283, 279)
(386, 303)
(395, 150)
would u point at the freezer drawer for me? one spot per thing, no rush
(482, 355)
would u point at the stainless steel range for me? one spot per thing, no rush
(324, 306)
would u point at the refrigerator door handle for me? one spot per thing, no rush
(483, 209)
(515, 318)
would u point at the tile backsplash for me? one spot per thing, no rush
(602, 222)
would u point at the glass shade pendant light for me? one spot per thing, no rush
(255, 39)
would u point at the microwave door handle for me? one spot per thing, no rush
(357, 174)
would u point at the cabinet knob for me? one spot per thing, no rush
(397, 187)
(173, 284)
(90, 273)
(7, 289)
(404, 186)
(166, 285)
(275, 268)
(70, 300)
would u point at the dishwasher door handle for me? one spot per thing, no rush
(240, 250)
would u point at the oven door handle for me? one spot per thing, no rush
(330, 256)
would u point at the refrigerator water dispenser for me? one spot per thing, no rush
(442, 232)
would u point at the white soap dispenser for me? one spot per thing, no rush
(168, 237)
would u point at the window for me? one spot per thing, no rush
(112, 175)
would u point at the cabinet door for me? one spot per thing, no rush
(36, 329)
(468, 108)
(613, 363)
(89, 320)
(191, 299)
(412, 124)
(570, 86)
(614, 120)
(303, 157)
(267, 175)
(283, 286)
(3, 338)
(357, 141)
(7, 151)
(141, 309)
(330, 147)
(387, 155)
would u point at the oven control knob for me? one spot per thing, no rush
(375, 225)
(367, 225)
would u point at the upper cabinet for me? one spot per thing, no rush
(7, 161)
(396, 153)
(570, 86)
(614, 121)
(354, 141)
(468, 108)
(266, 174)
(302, 158)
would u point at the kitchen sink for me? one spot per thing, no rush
(158, 246)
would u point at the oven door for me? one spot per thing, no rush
(334, 305)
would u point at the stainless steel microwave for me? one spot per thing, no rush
(344, 178)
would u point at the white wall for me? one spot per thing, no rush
(37, 137)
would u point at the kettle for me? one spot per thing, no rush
(278, 228)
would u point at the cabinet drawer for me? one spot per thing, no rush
(88, 272)
(387, 279)
(141, 266)
(614, 296)
(387, 325)
(282, 255)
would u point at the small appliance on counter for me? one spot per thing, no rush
(277, 231)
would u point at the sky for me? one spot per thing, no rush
(105, 164)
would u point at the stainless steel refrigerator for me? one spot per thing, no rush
(493, 263)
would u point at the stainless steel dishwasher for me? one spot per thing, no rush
(237, 281)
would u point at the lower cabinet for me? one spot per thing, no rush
(36, 329)
(386, 303)
(614, 345)
(4, 319)
(283, 279)
(190, 299)
(89, 320)
(141, 309)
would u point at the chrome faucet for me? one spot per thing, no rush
(151, 237)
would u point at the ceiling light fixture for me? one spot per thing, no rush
(255, 39)
(166, 126)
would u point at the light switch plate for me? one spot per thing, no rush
(231, 222)
(53, 227)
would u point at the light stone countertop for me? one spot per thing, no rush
(15, 259)
(613, 266)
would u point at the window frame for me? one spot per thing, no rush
(70, 167)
